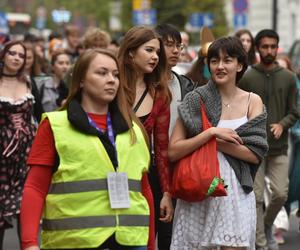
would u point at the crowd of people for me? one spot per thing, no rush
(91, 131)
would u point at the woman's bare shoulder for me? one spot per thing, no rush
(256, 106)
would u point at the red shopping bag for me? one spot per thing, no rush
(197, 176)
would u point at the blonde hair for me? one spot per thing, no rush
(96, 38)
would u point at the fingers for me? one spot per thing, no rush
(166, 209)
(232, 136)
(276, 130)
(166, 215)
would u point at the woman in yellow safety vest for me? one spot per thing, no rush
(87, 166)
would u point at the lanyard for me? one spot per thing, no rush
(110, 131)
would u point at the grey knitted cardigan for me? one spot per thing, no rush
(253, 133)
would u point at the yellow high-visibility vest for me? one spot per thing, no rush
(77, 211)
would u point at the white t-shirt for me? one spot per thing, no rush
(175, 89)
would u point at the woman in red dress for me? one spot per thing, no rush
(143, 72)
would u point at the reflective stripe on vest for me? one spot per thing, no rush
(88, 185)
(95, 221)
(77, 212)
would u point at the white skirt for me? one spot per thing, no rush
(217, 221)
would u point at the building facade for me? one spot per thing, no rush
(259, 15)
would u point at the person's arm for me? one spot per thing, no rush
(237, 151)
(147, 193)
(35, 192)
(240, 151)
(41, 159)
(161, 141)
(180, 146)
(292, 113)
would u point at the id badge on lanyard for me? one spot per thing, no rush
(118, 190)
(117, 182)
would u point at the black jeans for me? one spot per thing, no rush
(163, 230)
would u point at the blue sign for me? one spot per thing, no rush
(3, 22)
(240, 6)
(40, 23)
(144, 17)
(240, 20)
(61, 16)
(198, 20)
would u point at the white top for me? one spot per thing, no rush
(175, 89)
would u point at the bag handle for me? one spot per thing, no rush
(205, 122)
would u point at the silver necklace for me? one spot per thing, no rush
(227, 105)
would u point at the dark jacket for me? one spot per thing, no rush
(38, 107)
(278, 91)
(186, 84)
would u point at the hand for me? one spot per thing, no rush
(226, 134)
(166, 208)
(276, 129)
(32, 248)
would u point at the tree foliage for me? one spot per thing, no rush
(176, 12)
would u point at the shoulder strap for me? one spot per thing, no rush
(140, 100)
(248, 104)
(205, 122)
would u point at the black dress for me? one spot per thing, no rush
(16, 135)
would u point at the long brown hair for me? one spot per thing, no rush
(251, 54)
(157, 79)
(78, 75)
(21, 73)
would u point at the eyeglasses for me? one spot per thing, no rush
(172, 45)
(13, 53)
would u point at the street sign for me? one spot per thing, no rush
(240, 6)
(198, 20)
(144, 17)
(141, 4)
(61, 16)
(240, 20)
(3, 23)
(41, 15)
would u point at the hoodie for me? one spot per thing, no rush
(278, 90)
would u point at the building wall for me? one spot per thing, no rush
(260, 17)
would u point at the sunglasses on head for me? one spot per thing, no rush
(13, 53)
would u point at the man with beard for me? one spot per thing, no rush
(277, 88)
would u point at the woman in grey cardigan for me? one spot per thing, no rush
(238, 121)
